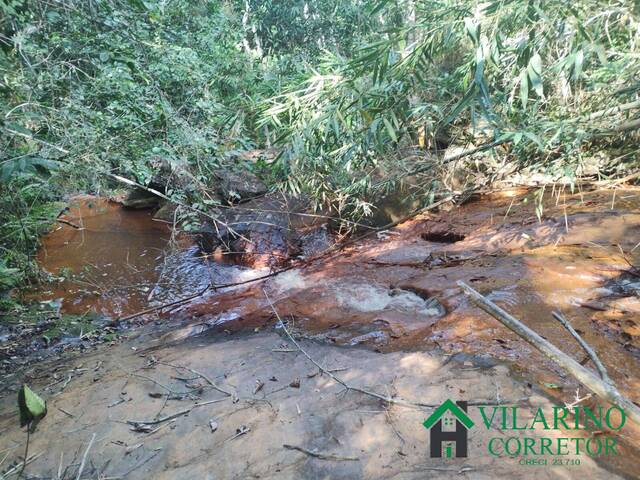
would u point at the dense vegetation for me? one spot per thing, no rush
(352, 97)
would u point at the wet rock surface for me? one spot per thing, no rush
(377, 293)
(269, 231)
(235, 186)
(244, 435)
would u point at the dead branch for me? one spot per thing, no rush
(152, 191)
(67, 222)
(585, 346)
(139, 423)
(601, 388)
(321, 456)
(613, 110)
(159, 307)
(22, 464)
(161, 385)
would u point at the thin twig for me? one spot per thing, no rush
(213, 384)
(84, 457)
(26, 451)
(321, 456)
(585, 346)
(22, 464)
(137, 423)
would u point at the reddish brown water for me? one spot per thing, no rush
(119, 261)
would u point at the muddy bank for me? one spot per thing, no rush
(279, 398)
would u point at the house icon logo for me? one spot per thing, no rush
(448, 426)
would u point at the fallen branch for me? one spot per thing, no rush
(321, 456)
(613, 110)
(21, 465)
(601, 388)
(67, 222)
(585, 346)
(152, 191)
(159, 307)
(620, 128)
(458, 156)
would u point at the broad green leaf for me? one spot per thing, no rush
(390, 129)
(535, 139)
(32, 407)
(577, 65)
(461, 105)
(517, 137)
(378, 7)
(473, 29)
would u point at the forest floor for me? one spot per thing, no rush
(386, 312)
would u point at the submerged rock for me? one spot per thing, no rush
(166, 212)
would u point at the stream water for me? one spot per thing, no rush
(113, 261)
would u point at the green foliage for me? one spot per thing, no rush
(93, 87)
(344, 91)
(9, 277)
(525, 72)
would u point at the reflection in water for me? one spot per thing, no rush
(118, 261)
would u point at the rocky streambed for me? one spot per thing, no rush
(393, 293)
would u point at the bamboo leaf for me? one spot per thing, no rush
(462, 104)
(390, 130)
(524, 88)
(534, 71)
(577, 65)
